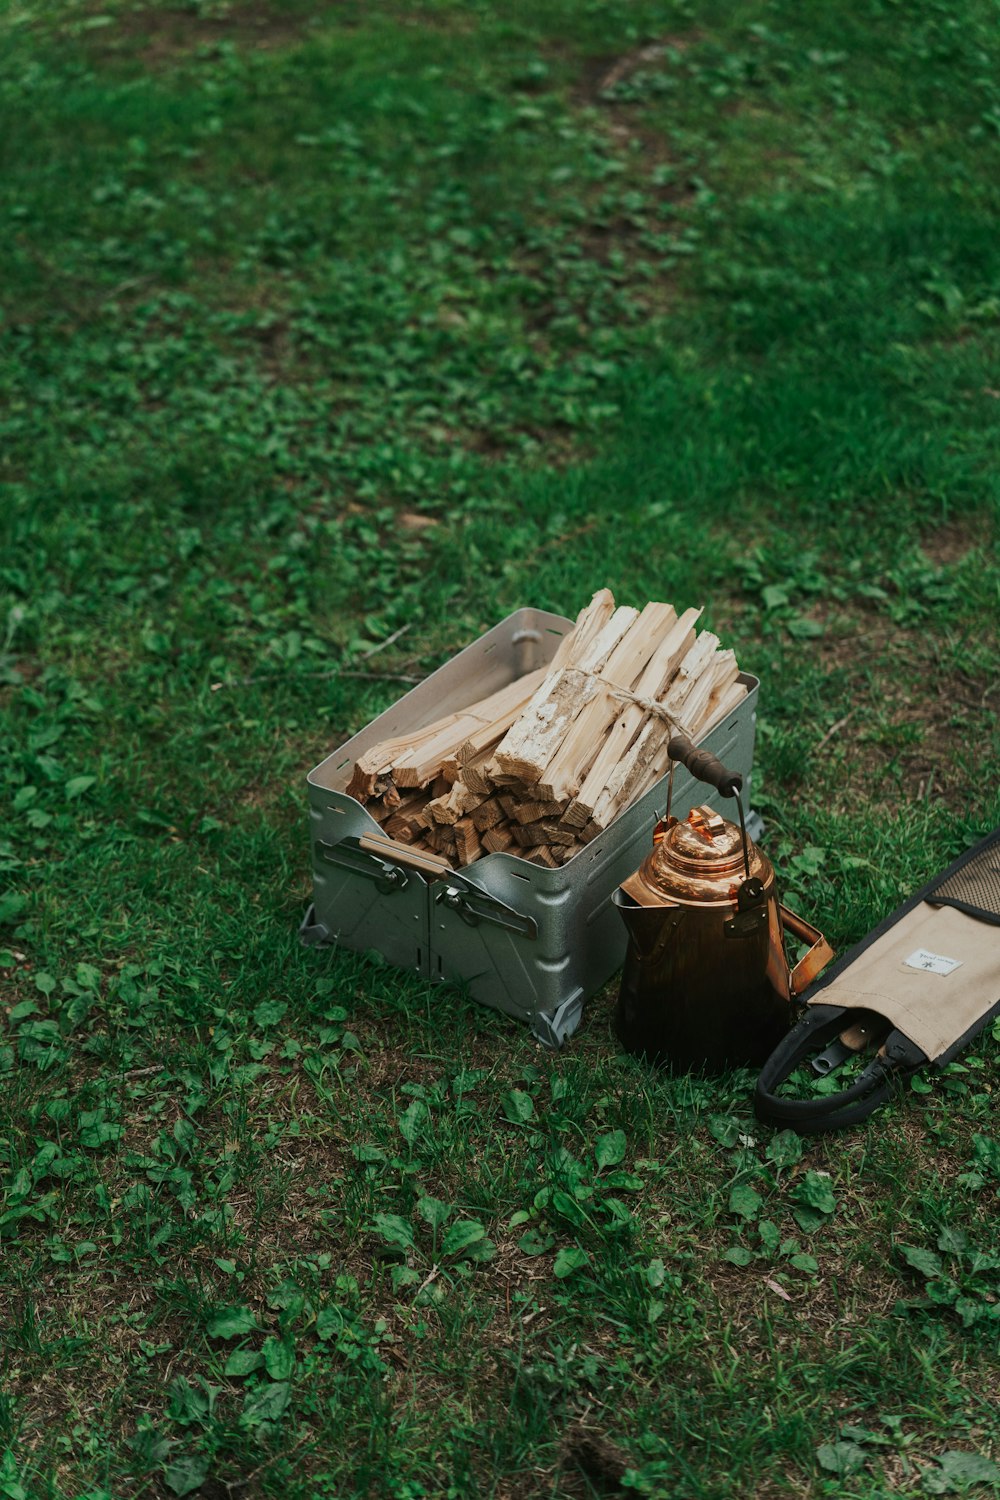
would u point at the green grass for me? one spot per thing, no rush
(318, 321)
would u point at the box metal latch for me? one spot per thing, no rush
(388, 877)
(475, 905)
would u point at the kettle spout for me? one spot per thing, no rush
(647, 926)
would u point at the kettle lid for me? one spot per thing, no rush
(697, 860)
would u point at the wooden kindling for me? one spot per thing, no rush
(632, 714)
(533, 737)
(541, 767)
(567, 765)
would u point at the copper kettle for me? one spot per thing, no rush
(706, 982)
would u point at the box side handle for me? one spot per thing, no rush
(414, 859)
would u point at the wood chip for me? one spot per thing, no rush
(498, 839)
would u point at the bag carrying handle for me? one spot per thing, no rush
(896, 1059)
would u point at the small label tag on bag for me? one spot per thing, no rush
(932, 963)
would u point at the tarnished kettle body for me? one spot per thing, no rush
(706, 982)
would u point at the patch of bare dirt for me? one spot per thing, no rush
(597, 1457)
(906, 710)
(412, 520)
(161, 36)
(603, 74)
(951, 542)
(914, 717)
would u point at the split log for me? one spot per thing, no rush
(542, 855)
(674, 701)
(580, 745)
(528, 834)
(405, 822)
(490, 717)
(720, 709)
(532, 739)
(416, 758)
(467, 845)
(664, 662)
(646, 759)
(487, 815)
(531, 812)
(457, 803)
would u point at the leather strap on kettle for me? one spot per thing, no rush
(895, 1060)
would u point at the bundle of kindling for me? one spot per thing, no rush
(541, 767)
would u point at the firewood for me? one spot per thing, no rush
(362, 783)
(630, 773)
(405, 821)
(457, 802)
(498, 839)
(541, 854)
(665, 661)
(580, 745)
(719, 708)
(554, 834)
(528, 834)
(589, 623)
(716, 694)
(553, 758)
(487, 815)
(467, 845)
(474, 772)
(530, 812)
(646, 760)
(683, 687)
(440, 838)
(532, 738)
(416, 758)
(377, 760)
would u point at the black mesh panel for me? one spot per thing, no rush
(974, 888)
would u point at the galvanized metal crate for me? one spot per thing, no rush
(524, 939)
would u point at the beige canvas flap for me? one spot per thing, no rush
(952, 979)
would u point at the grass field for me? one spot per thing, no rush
(319, 321)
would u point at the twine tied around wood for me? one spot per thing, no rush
(649, 706)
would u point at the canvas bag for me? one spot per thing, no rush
(927, 979)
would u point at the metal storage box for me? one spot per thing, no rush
(524, 939)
